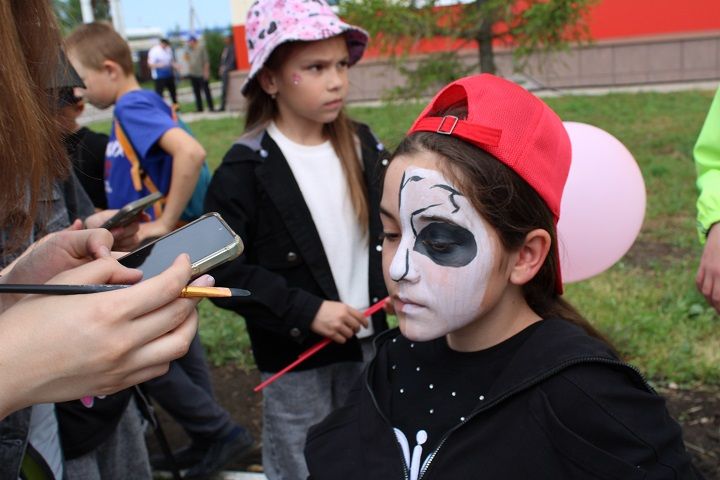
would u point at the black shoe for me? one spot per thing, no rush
(185, 457)
(221, 453)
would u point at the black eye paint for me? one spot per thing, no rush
(446, 244)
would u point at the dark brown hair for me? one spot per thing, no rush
(33, 157)
(510, 205)
(93, 43)
(261, 109)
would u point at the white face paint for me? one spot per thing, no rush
(444, 258)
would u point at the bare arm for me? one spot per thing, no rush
(188, 157)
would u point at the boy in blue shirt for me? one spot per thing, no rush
(144, 127)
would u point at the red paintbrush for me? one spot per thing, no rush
(314, 349)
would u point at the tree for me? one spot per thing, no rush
(69, 13)
(214, 43)
(527, 26)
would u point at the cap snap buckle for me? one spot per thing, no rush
(442, 128)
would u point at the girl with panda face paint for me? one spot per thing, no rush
(492, 374)
(444, 266)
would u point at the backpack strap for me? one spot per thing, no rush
(137, 173)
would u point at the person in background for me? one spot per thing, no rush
(228, 63)
(148, 150)
(301, 188)
(199, 73)
(707, 165)
(85, 147)
(161, 60)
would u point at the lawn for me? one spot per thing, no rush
(647, 303)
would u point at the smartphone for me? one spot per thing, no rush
(208, 240)
(127, 214)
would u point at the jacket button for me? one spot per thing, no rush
(385, 162)
(378, 248)
(295, 332)
(375, 300)
(291, 256)
(380, 146)
(264, 153)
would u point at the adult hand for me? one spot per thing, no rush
(337, 321)
(708, 275)
(52, 254)
(56, 348)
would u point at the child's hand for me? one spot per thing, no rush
(337, 321)
(126, 237)
(152, 230)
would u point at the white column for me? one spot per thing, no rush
(117, 17)
(87, 12)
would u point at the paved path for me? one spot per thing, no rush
(184, 94)
(92, 114)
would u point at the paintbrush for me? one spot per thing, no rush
(315, 348)
(48, 289)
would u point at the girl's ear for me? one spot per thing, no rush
(530, 257)
(266, 78)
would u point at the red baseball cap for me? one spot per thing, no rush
(514, 126)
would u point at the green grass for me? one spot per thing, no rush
(647, 303)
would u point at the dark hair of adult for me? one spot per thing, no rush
(509, 204)
(33, 157)
(261, 109)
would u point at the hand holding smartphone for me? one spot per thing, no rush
(208, 240)
(127, 214)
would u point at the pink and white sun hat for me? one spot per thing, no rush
(271, 23)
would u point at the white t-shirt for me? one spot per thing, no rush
(161, 56)
(319, 174)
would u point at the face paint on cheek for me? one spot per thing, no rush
(295, 77)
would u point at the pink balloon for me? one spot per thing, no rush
(603, 204)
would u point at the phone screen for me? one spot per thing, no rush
(198, 239)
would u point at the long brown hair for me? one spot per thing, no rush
(261, 109)
(510, 205)
(32, 153)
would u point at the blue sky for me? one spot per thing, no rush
(167, 14)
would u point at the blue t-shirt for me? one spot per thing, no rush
(144, 118)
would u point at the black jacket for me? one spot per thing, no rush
(563, 408)
(284, 265)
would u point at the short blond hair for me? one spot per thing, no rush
(94, 43)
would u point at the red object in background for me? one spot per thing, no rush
(241, 53)
(609, 19)
(314, 349)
